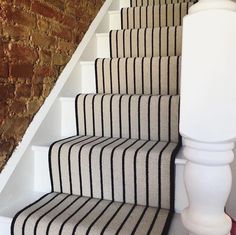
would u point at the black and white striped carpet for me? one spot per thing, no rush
(116, 176)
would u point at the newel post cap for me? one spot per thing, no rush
(212, 4)
(208, 80)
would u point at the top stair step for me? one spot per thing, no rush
(154, 16)
(138, 3)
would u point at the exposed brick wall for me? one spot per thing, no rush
(37, 38)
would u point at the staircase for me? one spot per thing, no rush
(115, 174)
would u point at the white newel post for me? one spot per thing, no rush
(208, 113)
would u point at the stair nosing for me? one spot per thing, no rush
(178, 161)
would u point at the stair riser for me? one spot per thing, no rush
(156, 75)
(154, 16)
(103, 45)
(5, 225)
(68, 127)
(114, 20)
(124, 3)
(154, 2)
(42, 178)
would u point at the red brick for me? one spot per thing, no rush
(6, 91)
(24, 3)
(44, 9)
(60, 4)
(42, 40)
(66, 46)
(70, 8)
(43, 25)
(4, 70)
(1, 50)
(68, 21)
(16, 32)
(37, 90)
(60, 59)
(3, 111)
(20, 16)
(22, 53)
(44, 71)
(15, 127)
(7, 145)
(45, 57)
(17, 107)
(21, 70)
(23, 90)
(62, 32)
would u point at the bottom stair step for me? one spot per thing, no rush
(118, 169)
(58, 213)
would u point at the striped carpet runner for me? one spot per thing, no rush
(116, 176)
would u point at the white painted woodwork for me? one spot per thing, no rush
(124, 3)
(103, 47)
(208, 181)
(87, 69)
(115, 20)
(208, 113)
(203, 5)
(208, 81)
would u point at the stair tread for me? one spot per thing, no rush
(171, 26)
(62, 212)
(70, 213)
(92, 166)
(176, 228)
(179, 160)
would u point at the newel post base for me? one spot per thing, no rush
(208, 182)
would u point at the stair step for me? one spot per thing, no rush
(154, 16)
(173, 47)
(147, 75)
(136, 3)
(176, 227)
(43, 184)
(147, 42)
(119, 116)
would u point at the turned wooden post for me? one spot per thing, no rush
(208, 113)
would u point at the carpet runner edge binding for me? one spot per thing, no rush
(117, 175)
